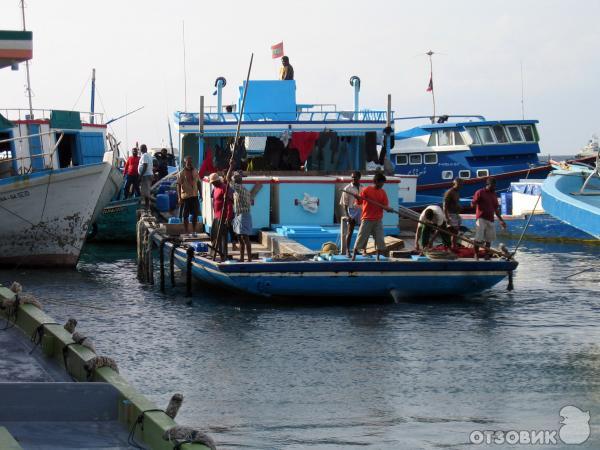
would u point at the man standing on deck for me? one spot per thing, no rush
(162, 170)
(188, 186)
(242, 220)
(132, 179)
(485, 201)
(145, 173)
(452, 208)
(222, 213)
(352, 210)
(374, 201)
(286, 71)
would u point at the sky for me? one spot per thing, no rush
(137, 49)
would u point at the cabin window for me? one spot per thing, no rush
(401, 160)
(431, 158)
(432, 140)
(466, 174)
(445, 137)
(458, 139)
(482, 173)
(514, 133)
(500, 134)
(416, 158)
(486, 135)
(474, 136)
(447, 174)
(528, 133)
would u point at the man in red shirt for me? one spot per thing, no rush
(485, 201)
(132, 179)
(374, 201)
(222, 202)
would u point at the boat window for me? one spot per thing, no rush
(447, 175)
(416, 158)
(500, 134)
(474, 136)
(486, 135)
(401, 160)
(458, 139)
(464, 174)
(514, 133)
(431, 158)
(432, 140)
(482, 173)
(445, 137)
(528, 133)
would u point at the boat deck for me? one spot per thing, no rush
(43, 409)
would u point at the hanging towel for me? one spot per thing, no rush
(304, 142)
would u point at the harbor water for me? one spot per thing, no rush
(418, 374)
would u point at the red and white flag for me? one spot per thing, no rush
(430, 85)
(277, 50)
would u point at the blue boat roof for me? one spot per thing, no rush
(426, 129)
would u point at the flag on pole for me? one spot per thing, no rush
(430, 85)
(277, 50)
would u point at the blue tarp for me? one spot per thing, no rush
(526, 188)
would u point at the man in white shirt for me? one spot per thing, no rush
(145, 172)
(425, 235)
(352, 210)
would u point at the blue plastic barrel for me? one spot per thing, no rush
(172, 200)
(506, 203)
(162, 202)
(200, 246)
(174, 220)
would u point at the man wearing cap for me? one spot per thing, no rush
(242, 220)
(485, 201)
(188, 185)
(286, 71)
(222, 202)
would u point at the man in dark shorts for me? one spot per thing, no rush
(188, 185)
(452, 208)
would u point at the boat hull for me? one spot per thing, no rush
(364, 280)
(541, 227)
(45, 215)
(117, 222)
(579, 211)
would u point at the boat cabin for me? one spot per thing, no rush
(300, 155)
(51, 139)
(440, 152)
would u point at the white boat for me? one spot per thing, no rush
(55, 178)
(590, 149)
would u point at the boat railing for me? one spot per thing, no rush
(445, 116)
(22, 169)
(18, 114)
(186, 118)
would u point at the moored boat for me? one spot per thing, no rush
(571, 193)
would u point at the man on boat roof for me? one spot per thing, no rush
(286, 71)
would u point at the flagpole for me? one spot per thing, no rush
(430, 54)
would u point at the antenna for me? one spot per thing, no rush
(430, 88)
(28, 87)
(522, 94)
(184, 68)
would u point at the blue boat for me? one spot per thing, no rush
(296, 209)
(571, 193)
(471, 148)
(335, 276)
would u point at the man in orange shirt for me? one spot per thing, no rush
(374, 201)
